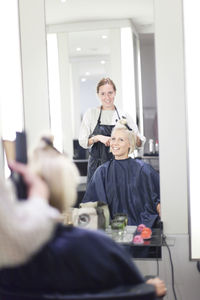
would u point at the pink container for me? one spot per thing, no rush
(140, 227)
(138, 240)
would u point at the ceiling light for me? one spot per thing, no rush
(83, 79)
(63, 1)
(87, 73)
(102, 62)
(78, 49)
(104, 36)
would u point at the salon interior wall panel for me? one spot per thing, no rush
(115, 63)
(192, 61)
(171, 114)
(1, 152)
(66, 97)
(11, 95)
(149, 89)
(76, 99)
(34, 67)
(148, 71)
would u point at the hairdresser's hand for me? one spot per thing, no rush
(159, 286)
(103, 139)
(138, 142)
(158, 209)
(36, 186)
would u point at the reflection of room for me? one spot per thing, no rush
(120, 53)
(149, 100)
(92, 55)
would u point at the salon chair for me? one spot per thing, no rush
(141, 291)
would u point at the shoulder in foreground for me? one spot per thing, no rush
(85, 243)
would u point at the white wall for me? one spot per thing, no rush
(11, 119)
(171, 114)
(66, 103)
(115, 63)
(88, 94)
(1, 154)
(34, 67)
(192, 61)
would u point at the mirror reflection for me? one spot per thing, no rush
(81, 52)
(127, 185)
(98, 123)
(95, 49)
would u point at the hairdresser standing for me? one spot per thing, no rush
(97, 124)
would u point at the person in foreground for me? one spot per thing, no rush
(24, 225)
(97, 124)
(74, 260)
(127, 185)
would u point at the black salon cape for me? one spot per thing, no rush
(74, 261)
(128, 186)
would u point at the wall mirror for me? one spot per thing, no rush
(113, 39)
(102, 39)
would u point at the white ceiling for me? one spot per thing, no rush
(93, 47)
(90, 42)
(141, 12)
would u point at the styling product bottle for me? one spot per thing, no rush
(151, 146)
(156, 147)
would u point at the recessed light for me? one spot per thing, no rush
(104, 36)
(102, 62)
(63, 1)
(83, 79)
(78, 49)
(87, 73)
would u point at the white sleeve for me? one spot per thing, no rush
(24, 227)
(85, 129)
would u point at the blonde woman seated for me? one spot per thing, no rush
(24, 225)
(74, 260)
(127, 185)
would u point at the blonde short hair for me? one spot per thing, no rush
(58, 171)
(122, 125)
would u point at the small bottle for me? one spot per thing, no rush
(151, 146)
(156, 147)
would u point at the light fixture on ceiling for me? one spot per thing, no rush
(104, 36)
(87, 73)
(63, 1)
(103, 62)
(78, 49)
(83, 79)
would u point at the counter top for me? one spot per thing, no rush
(130, 232)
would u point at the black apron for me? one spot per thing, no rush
(99, 153)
